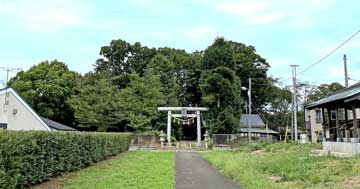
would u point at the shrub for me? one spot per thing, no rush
(29, 157)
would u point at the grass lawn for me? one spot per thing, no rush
(128, 170)
(285, 166)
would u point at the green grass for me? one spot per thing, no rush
(128, 170)
(285, 166)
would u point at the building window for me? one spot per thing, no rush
(318, 116)
(333, 115)
(341, 114)
(3, 125)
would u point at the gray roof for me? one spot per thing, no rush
(254, 119)
(257, 130)
(57, 126)
(338, 96)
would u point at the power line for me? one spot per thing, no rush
(354, 79)
(331, 52)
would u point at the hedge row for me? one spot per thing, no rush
(29, 157)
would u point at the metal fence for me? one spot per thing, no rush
(145, 140)
(234, 139)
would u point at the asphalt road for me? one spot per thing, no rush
(194, 172)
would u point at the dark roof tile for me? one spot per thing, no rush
(57, 126)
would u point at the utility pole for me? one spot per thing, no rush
(346, 72)
(294, 102)
(7, 80)
(249, 122)
(9, 70)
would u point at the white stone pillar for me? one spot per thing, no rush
(169, 128)
(347, 135)
(198, 128)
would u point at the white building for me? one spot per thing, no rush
(313, 120)
(16, 114)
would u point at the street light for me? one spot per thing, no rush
(248, 113)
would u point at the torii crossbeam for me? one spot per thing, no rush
(184, 113)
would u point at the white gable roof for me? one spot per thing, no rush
(17, 96)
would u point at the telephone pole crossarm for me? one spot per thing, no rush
(9, 70)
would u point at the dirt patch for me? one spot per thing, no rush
(351, 183)
(275, 178)
(357, 166)
(258, 152)
(55, 182)
(332, 163)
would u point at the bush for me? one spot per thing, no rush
(29, 157)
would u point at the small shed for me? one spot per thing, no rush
(258, 128)
(253, 119)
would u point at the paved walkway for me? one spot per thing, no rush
(194, 172)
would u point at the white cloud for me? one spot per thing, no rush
(242, 8)
(266, 19)
(158, 8)
(199, 32)
(253, 12)
(335, 72)
(280, 62)
(298, 13)
(45, 15)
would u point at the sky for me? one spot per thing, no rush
(283, 32)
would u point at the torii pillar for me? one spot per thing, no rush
(198, 126)
(169, 128)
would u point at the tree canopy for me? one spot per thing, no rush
(130, 81)
(46, 87)
(324, 90)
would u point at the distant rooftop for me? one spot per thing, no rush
(57, 126)
(254, 119)
(258, 130)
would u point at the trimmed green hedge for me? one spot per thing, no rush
(29, 157)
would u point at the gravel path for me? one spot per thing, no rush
(194, 172)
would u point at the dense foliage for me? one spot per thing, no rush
(130, 81)
(324, 90)
(96, 104)
(29, 157)
(46, 87)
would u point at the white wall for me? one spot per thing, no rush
(23, 119)
(310, 115)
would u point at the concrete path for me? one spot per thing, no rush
(194, 172)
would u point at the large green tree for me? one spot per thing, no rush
(120, 58)
(97, 104)
(278, 111)
(245, 62)
(46, 87)
(139, 101)
(220, 89)
(187, 74)
(162, 67)
(324, 90)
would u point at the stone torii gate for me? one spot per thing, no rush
(184, 113)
